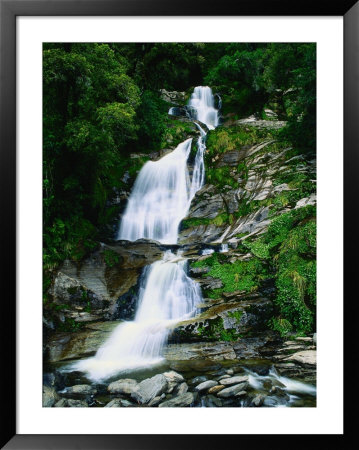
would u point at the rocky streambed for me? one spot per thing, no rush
(261, 372)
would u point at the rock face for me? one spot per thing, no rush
(254, 171)
(230, 319)
(173, 97)
(104, 286)
(67, 346)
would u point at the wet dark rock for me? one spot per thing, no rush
(210, 283)
(210, 401)
(258, 400)
(49, 396)
(205, 233)
(73, 403)
(179, 401)
(157, 400)
(230, 158)
(199, 379)
(199, 270)
(54, 379)
(208, 208)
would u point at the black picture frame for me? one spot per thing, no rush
(9, 10)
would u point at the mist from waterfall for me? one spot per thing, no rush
(160, 199)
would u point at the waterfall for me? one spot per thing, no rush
(160, 199)
(201, 106)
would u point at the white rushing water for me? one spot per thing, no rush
(201, 106)
(160, 199)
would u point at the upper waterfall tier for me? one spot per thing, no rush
(201, 106)
(163, 191)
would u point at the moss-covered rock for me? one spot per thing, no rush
(226, 321)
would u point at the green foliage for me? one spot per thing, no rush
(283, 326)
(251, 76)
(290, 246)
(222, 140)
(235, 315)
(111, 258)
(69, 325)
(153, 117)
(238, 276)
(176, 132)
(215, 331)
(221, 176)
(101, 102)
(221, 219)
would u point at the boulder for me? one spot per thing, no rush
(234, 380)
(71, 403)
(157, 400)
(182, 389)
(118, 403)
(258, 400)
(122, 386)
(205, 385)
(81, 389)
(210, 401)
(232, 390)
(199, 379)
(306, 357)
(173, 378)
(49, 396)
(215, 389)
(150, 388)
(180, 401)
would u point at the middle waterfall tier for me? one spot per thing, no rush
(160, 198)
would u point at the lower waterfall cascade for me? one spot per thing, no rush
(160, 199)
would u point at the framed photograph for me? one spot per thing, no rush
(173, 277)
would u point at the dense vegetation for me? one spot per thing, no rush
(102, 102)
